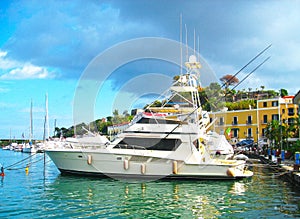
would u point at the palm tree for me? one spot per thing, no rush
(250, 89)
(273, 133)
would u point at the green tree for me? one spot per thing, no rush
(214, 97)
(283, 92)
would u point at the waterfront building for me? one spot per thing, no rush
(251, 123)
(296, 100)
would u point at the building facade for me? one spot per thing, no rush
(251, 123)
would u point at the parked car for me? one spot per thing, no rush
(247, 143)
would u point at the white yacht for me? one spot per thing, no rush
(171, 141)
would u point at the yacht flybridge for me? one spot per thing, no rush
(169, 141)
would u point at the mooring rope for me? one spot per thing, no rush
(15, 164)
(27, 165)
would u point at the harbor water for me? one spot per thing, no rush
(43, 192)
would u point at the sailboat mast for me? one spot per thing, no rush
(180, 44)
(31, 123)
(46, 123)
(47, 117)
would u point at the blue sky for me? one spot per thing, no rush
(46, 46)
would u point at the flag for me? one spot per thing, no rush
(228, 131)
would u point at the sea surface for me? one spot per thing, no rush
(42, 192)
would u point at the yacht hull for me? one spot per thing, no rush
(126, 166)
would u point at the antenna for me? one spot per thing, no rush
(198, 49)
(180, 44)
(194, 42)
(186, 43)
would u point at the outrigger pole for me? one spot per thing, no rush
(259, 54)
(224, 84)
(251, 72)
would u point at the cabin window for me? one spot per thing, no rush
(157, 121)
(149, 144)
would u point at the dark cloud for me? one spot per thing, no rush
(66, 36)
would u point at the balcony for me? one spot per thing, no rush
(248, 122)
(264, 121)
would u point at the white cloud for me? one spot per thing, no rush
(28, 71)
(14, 70)
(6, 63)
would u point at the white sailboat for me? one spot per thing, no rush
(170, 141)
(30, 147)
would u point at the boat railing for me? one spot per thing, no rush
(94, 147)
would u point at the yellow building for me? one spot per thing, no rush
(251, 123)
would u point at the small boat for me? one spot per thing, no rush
(17, 147)
(29, 148)
(171, 141)
(7, 147)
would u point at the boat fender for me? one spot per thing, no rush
(143, 168)
(2, 171)
(175, 167)
(230, 172)
(26, 169)
(126, 164)
(89, 159)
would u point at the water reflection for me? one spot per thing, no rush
(260, 195)
(238, 188)
(163, 198)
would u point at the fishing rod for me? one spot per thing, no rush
(259, 54)
(225, 94)
(250, 73)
